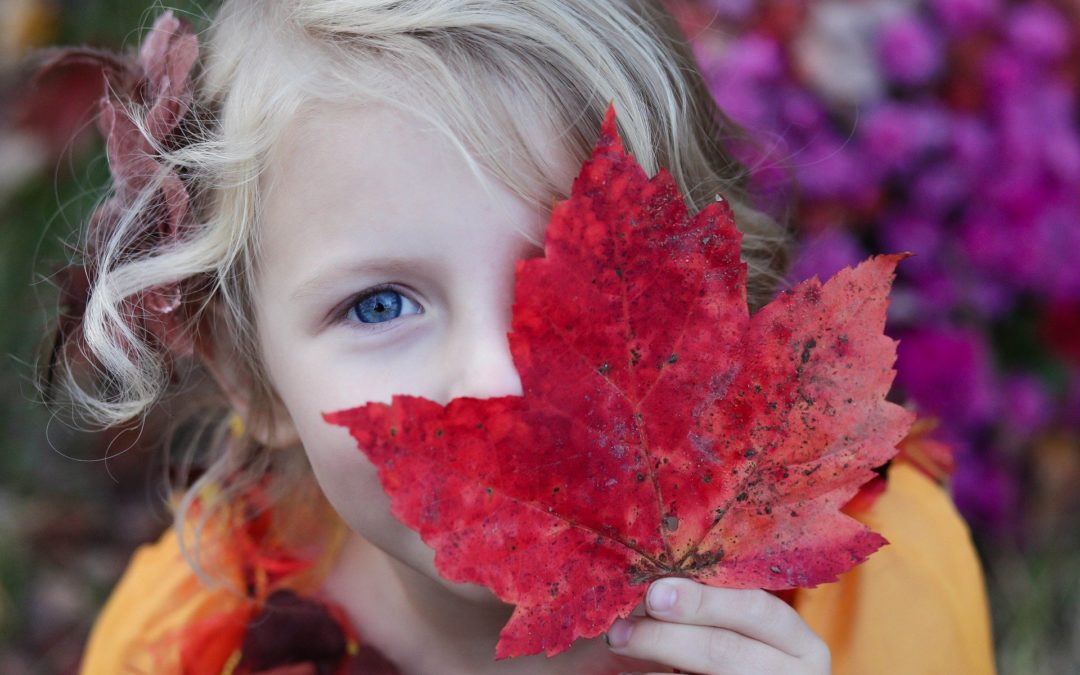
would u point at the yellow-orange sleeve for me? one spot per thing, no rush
(158, 595)
(918, 606)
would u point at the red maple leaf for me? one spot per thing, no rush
(662, 430)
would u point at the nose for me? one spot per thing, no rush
(480, 363)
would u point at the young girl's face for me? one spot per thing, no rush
(386, 268)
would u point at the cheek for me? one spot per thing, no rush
(349, 480)
(308, 387)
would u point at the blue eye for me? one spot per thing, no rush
(381, 305)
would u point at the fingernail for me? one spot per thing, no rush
(661, 596)
(619, 633)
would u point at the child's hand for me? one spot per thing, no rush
(714, 631)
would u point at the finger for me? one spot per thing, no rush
(697, 649)
(751, 612)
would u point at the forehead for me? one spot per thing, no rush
(374, 179)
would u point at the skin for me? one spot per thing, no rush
(364, 196)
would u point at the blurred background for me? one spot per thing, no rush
(948, 128)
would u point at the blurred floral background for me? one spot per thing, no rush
(948, 128)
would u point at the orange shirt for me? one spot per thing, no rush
(917, 606)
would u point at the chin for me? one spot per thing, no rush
(406, 547)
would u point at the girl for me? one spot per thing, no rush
(325, 207)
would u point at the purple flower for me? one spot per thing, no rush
(941, 187)
(1026, 406)
(733, 10)
(999, 247)
(985, 492)
(825, 254)
(1039, 31)
(830, 167)
(801, 110)
(1056, 233)
(1070, 410)
(1054, 110)
(897, 135)
(989, 297)
(909, 50)
(755, 57)
(739, 77)
(964, 16)
(971, 142)
(947, 371)
(916, 234)
(937, 292)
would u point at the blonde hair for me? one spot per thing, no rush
(499, 70)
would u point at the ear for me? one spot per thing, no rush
(221, 359)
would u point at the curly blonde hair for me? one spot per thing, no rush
(500, 68)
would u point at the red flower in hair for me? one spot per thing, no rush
(152, 90)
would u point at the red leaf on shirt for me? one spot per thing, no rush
(662, 430)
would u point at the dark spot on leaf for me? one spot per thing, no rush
(489, 490)
(618, 272)
(393, 431)
(641, 477)
(671, 523)
(742, 497)
(555, 490)
(749, 453)
(635, 356)
(673, 358)
(774, 569)
(604, 368)
(707, 478)
(438, 433)
(810, 344)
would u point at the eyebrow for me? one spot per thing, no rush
(329, 277)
